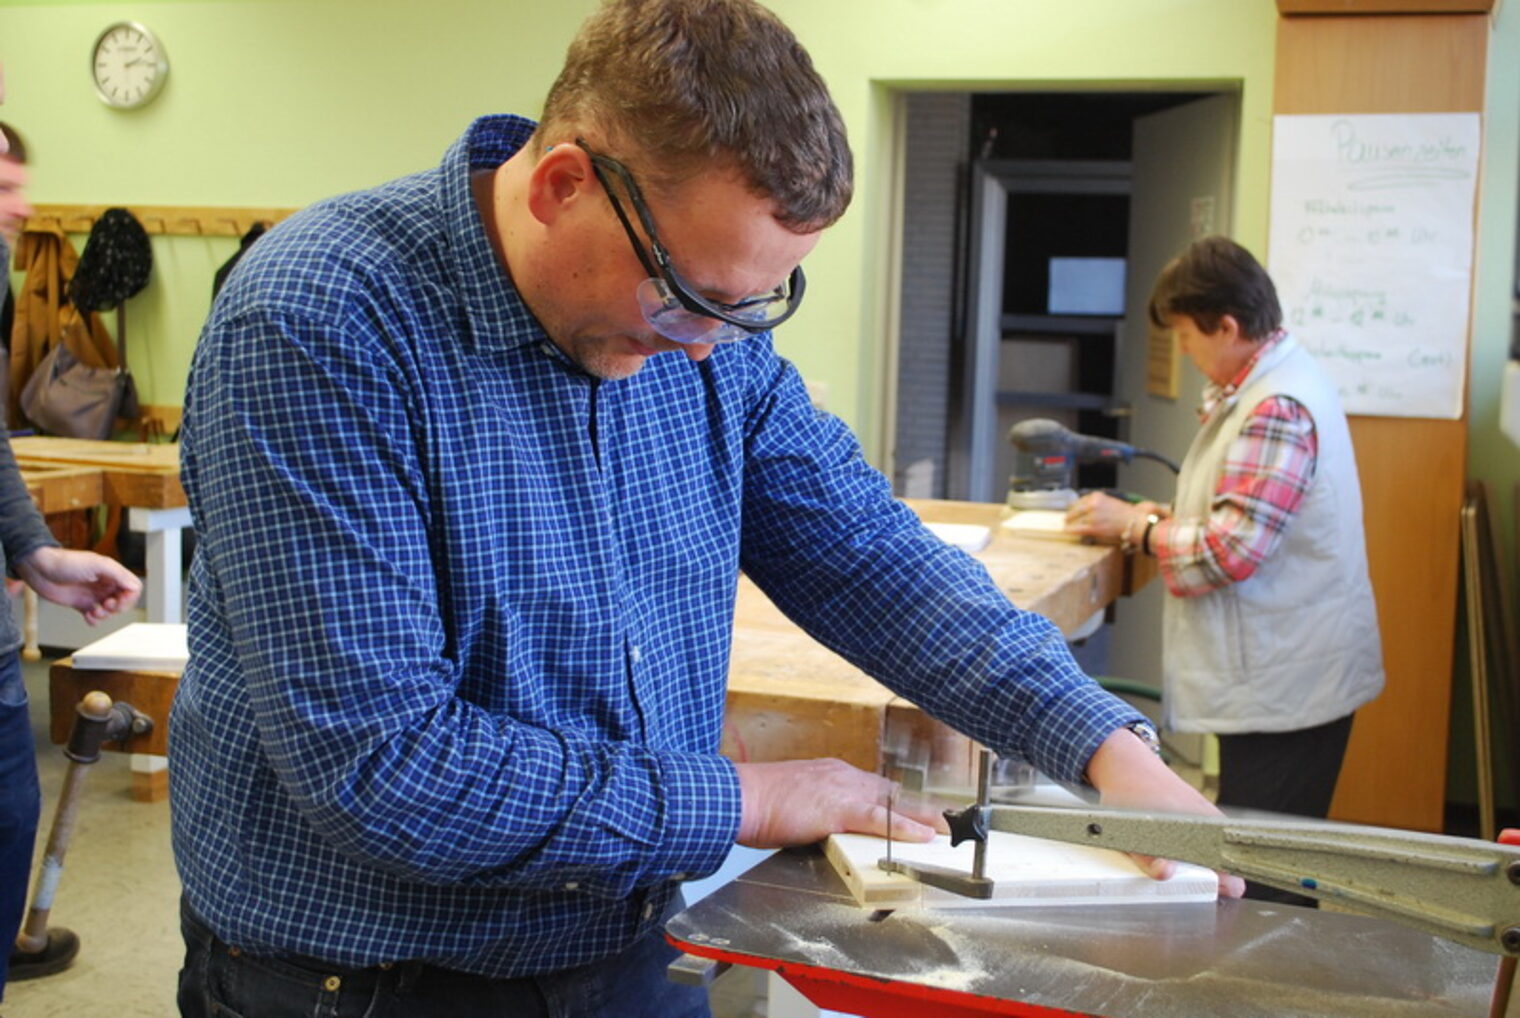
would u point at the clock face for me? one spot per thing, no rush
(128, 65)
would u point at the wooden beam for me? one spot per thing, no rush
(180, 220)
(62, 489)
(1385, 6)
(1431, 64)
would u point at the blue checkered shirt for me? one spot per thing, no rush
(460, 614)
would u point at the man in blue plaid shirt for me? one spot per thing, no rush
(475, 458)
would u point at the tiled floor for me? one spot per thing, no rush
(120, 893)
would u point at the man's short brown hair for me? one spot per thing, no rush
(1215, 277)
(676, 87)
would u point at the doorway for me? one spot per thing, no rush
(1176, 150)
(1008, 197)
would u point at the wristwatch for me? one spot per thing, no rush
(1146, 733)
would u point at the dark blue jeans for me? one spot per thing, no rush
(20, 804)
(219, 981)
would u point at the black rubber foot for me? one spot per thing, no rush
(61, 950)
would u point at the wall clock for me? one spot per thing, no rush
(128, 65)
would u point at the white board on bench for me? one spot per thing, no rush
(1025, 871)
(139, 647)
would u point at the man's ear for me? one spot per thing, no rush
(1229, 328)
(561, 178)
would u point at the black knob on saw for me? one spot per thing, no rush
(969, 824)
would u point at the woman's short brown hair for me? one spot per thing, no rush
(1215, 277)
(677, 87)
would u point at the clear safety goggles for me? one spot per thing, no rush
(672, 307)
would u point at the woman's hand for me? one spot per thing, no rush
(1105, 518)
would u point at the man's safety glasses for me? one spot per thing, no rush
(670, 306)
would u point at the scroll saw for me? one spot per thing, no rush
(1465, 890)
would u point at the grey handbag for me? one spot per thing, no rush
(67, 397)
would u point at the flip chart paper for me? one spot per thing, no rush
(1371, 250)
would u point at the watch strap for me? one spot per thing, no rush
(1146, 733)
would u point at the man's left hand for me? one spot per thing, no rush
(1127, 774)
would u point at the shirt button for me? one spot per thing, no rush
(573, 886)
(635, 654)
(649, 911)
(678, 877)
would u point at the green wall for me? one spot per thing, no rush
(1491, 456)
(273, 103)
(277, 103)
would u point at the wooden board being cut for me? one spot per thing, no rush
(1026, 871)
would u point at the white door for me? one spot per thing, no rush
(1183, 170)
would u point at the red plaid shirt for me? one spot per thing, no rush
(1267, 471)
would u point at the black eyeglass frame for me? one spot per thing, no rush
(661, 267)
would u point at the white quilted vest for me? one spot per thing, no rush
(1295, 644)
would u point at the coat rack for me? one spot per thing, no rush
(178, 220)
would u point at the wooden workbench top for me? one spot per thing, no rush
(140, 474)
(1066, 581)
(159, 457)
(789, 696)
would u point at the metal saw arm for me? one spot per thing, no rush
(1459, 888)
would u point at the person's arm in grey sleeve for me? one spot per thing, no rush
(22, 528)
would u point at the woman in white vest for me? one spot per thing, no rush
(1271, 637)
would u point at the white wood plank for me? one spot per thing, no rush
(141, 646)
(1026, 871)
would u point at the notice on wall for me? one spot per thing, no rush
(1371, 249)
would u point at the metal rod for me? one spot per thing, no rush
(983, 794)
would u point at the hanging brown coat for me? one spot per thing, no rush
(44, 316)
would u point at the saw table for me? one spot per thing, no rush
(791, 914)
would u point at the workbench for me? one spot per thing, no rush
(791, 698)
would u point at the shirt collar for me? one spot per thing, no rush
(1216, 396)
(498, 316)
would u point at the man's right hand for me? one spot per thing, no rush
(798, 802)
